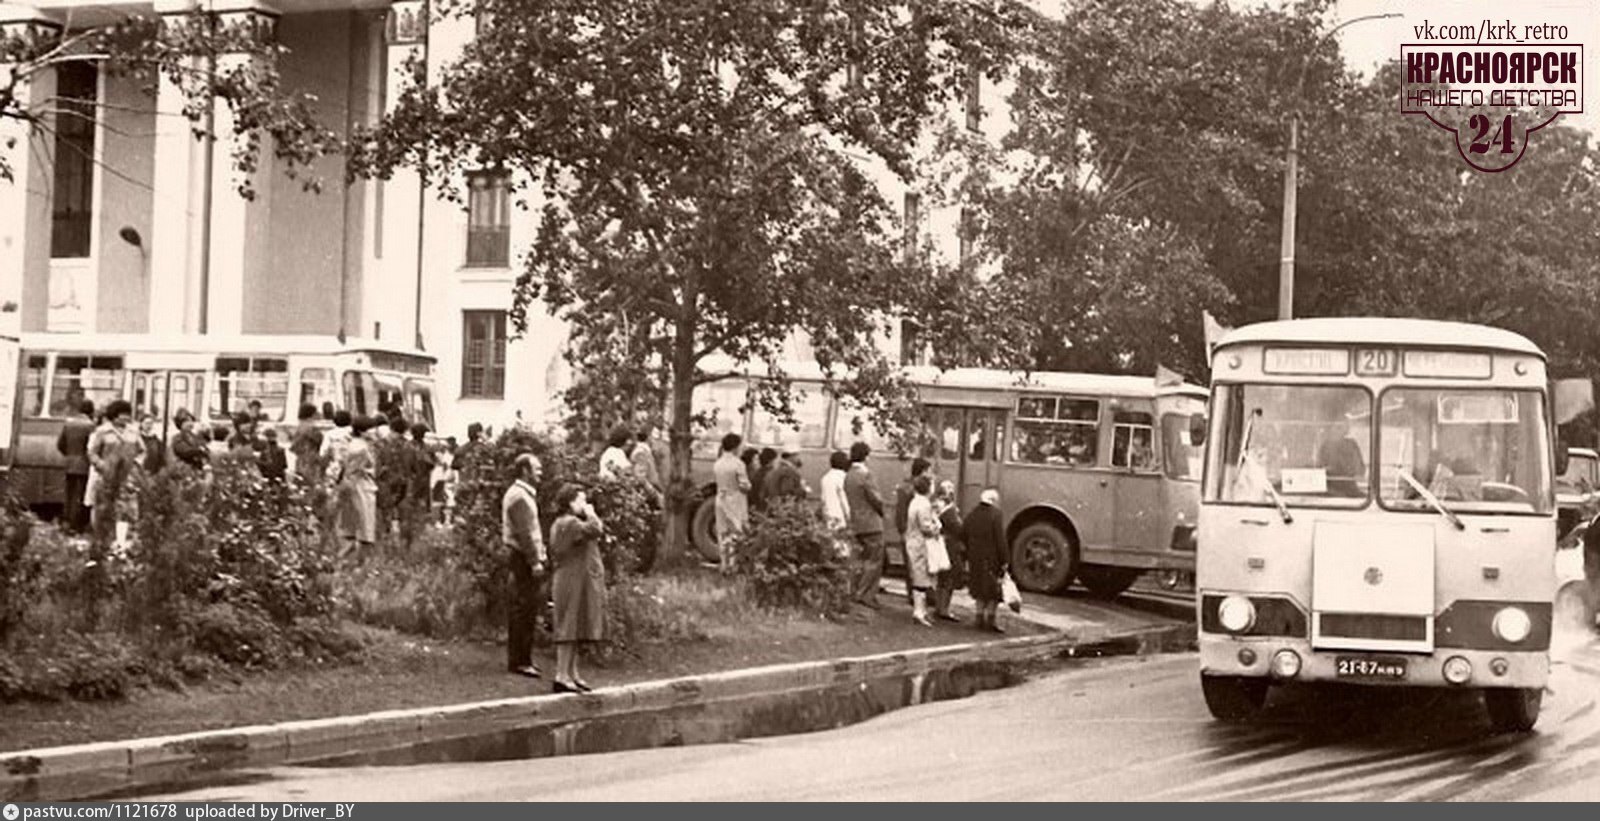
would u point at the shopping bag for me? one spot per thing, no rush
(938, 555)
(1010, 594)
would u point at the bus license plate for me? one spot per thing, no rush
(1370, 667)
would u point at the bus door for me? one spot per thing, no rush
(1140, 520)
(966, 449)
(161, 393)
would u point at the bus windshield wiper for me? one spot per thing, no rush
(1431, 499)
(1277, 499)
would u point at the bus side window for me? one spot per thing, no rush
(33, 385)
(356, 392)
(96, 378)
(318, 389)
(1132, 440)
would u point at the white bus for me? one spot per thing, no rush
(1379, 510)
(212, 377)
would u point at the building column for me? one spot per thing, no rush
(178, 208)
(240, 227)
(390, 298)
(25, 198)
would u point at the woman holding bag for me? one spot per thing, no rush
(985, 537)
(922, 525)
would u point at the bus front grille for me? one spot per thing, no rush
(1374, 626)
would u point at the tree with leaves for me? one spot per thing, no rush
(701, 170)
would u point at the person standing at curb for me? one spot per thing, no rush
(985, 538)
(579, 586)
(835, 505)
(950, 524)
(733, 503)
(866, 524)
(73, 445)
(358, 489)
(921, 526)
(519, 532)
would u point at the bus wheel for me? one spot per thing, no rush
(1043, 558)
(1233, 698)
(1513, 709)
(1107, 581)
(1572, 611)
(703, 529)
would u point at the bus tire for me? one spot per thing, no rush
(703, 529)
(1233, 698)
(1044, 558)
(1573, 611)
(1107, 581)
(1513, 709)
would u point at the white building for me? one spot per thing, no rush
(119, 221)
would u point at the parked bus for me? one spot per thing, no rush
(212, 377)
(1378, 509)
(1098, 478)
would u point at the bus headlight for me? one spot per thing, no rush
(1237, 614)
(1512, 624)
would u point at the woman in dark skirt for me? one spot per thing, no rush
(579, 586)
(948, 582)
(985, 539)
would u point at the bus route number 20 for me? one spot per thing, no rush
(1376, 362)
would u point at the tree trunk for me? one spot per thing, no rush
(681, 496)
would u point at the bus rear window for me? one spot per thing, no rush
(419, 402)
(95, 378)
(320, 390)
(360, 392)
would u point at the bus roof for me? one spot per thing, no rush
(1381, 331)
(985, 378)
(209, 343)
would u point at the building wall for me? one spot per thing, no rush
(313, 236)
(122, 275)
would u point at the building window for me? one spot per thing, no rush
(964, 233)
(912, 346)
(913, 223)
(974, 107)
(489, 220)
(483, 356)
(72, 198)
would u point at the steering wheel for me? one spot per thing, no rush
(1502, 492)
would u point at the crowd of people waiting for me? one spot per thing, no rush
(944, 550)
(104, 449)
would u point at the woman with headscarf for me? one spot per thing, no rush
(984, 537)
(954, 578)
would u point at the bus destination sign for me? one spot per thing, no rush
(1307, 361)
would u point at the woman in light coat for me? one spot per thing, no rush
(733, 496)
(358, 488)
(922, 524)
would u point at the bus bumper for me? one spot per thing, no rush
(1221, 656)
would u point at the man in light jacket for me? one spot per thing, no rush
(519, 529)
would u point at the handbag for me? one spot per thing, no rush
(1010, 594)
(938, 555)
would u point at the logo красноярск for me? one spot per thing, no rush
(1492, 85)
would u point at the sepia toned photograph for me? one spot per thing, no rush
(478, 402)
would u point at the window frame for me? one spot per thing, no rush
(1216, 420)
(494, 354)
(77, 145)
(488, 238)
(1020, 421)
(1149, 427)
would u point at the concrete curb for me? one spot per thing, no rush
(88, 770)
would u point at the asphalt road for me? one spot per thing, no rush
(1111, 729)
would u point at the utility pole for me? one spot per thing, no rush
(1291, 182)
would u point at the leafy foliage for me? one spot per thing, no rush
(700, 171)
(791, 560)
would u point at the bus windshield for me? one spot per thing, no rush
(1307, 445)
(1474, 450)
(1181, 458)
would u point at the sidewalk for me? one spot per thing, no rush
(1064, 615)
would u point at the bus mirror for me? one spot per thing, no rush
(1197, 429)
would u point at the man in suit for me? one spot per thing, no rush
(73, 444)
(519, 527)
(866, 524)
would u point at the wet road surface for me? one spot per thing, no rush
(1111, 729)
